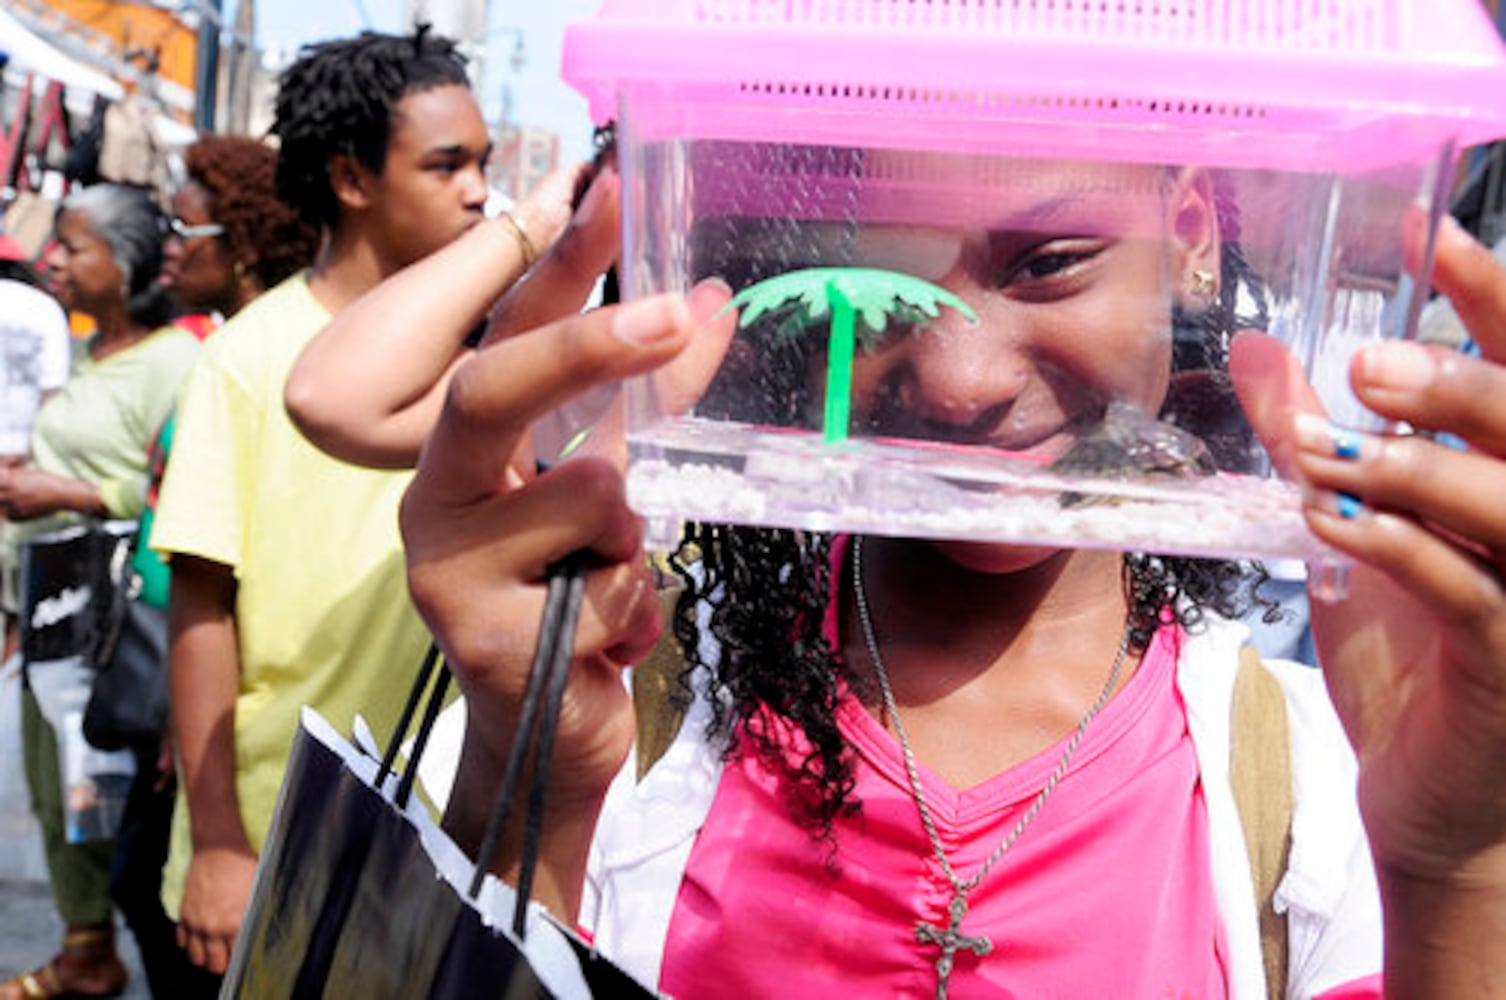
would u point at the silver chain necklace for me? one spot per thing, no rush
(951, 939)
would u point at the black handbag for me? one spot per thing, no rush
(81, 603)
(68, 586)
(128, 702)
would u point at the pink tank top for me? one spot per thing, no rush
(1108, 892)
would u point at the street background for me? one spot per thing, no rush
(30, 930)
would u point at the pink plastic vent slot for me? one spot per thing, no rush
(1334, 85)
(1320, 25)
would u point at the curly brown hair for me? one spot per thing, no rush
(261, 230)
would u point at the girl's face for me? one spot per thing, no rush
(1073, 294)
(81, 269)
(198, 268)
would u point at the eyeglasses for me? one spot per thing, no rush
(184, 231)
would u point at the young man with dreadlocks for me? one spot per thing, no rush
(287, 570)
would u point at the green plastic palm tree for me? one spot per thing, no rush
(849, 296)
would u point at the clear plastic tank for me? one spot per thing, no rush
(995, 271)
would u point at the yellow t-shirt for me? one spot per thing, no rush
(322, 605)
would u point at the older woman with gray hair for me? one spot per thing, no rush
(90, 447)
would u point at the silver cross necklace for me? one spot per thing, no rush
(950, 939)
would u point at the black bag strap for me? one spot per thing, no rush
(537, 726)
(426, 727)
(123, 587)
(125, 584)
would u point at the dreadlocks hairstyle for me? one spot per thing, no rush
(262, 232)
(767, 589)
(337, 100)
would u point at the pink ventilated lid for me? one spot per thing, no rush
(1346, 85)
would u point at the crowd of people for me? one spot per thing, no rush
(284, 564)
(865, 731)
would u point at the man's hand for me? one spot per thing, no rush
(215, 895)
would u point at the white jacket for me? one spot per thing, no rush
(1329, 892)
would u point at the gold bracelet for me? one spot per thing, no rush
(521, 235)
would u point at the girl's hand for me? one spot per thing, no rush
(1415, 655)
(482, 530)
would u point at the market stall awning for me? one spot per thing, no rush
(30, 53)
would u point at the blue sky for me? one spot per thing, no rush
(538, 96)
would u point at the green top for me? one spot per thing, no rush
(100, 425)
(147, 563)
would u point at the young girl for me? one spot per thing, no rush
(947, 768)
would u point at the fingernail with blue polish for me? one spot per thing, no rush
(1319, 437)
(1452, 441)
(1348, 506)
(1346, 444)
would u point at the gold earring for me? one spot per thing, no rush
(239, 267)
(1203, 285)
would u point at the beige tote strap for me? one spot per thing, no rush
(1260, 770)
(654, 682)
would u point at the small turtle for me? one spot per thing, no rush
(1128, 444)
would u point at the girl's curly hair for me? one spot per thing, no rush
(261, 230)
(768, 589)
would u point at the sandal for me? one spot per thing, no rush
(87, 967)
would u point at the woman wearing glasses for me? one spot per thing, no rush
(230, 237)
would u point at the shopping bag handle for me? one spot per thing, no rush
(400, 731)
(537, 725)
